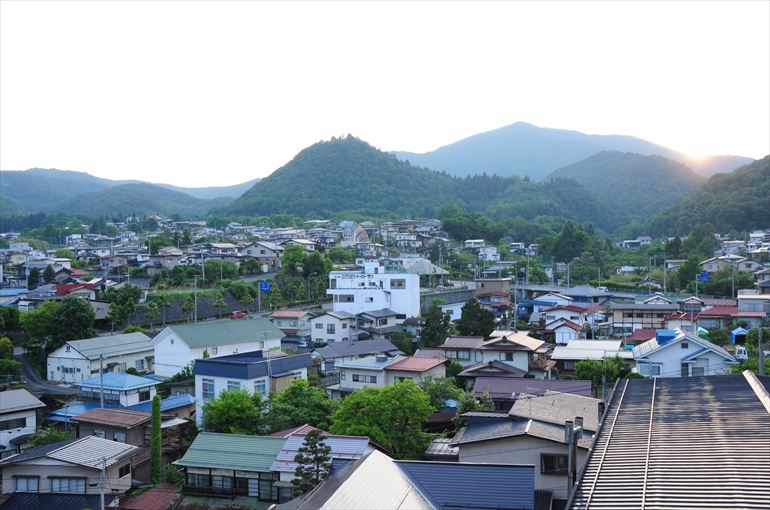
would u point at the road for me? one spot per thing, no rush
(34, 383)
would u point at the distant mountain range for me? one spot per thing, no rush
(525, 149)
(50, 190)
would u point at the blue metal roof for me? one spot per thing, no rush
(172, 402)
(117, 381)
(72, 409)
(462, 485)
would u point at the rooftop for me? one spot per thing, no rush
(88, 452)
(414, 364)
(342, 447)
(232, 451)
(18, 400)
(288, 314)
(112, 345)
(588, 349)
(348, 348)
(117, 381)
(124, 418)
(511, 388)
(557, 408)
(498, 429)
(227, 332)
(166, 404)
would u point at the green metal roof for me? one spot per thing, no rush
(207, 334)
(232, 451)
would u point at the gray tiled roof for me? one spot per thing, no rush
(510, 388)
(557, 408)
(690, 442)
(18, 400)
(342, 349)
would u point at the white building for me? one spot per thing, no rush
(18, 417)
(375, 289)
(380, 371)
(333, 327)
(178, 345)
(678, 354)
(77, 360)
(120, 390)
(250, 371)
(513, 348)
(489, 254)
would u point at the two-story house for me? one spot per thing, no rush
(341, 352)
(295, 324)
(679, 354)
(178, 345)
(268, 254)
(514, 348)
(374, 288)
(333, 327)
(78, 360)
(628, 317)
(378, 323)
(380, 371)
(18, 417)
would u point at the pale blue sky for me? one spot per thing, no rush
(215, 93)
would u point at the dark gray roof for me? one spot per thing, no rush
(250, 367)
(342, 349)
(34, 453)
(492, 430)
(380, 314)
(463, 485)
(510, 388)
(441, 448)
(690, 442)
(22, 501)
(643, 306)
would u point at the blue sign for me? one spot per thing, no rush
(704, 276)
(264, 286)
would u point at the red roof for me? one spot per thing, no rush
(564, 322)
(157, 498)
(642, 335)
(288, 314)
(66, 288)
(301, 430)
(412, 364)
(570, 308)
(719, 311)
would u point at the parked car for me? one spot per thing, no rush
(238, 315)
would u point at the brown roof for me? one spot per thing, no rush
(125, 418)
(157, 498)
(301, 430)
(288, 314)
(514, 342)
(412, 364)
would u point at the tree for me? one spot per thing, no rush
(48, 274)
(152, 312)
(38, 330)
(123, 302)
(6, 348)
(247, 300)
(687, 271)
(234, 412)
(188, 306)
(440, 389)
(33, 279)
(10, 370)
(219, 303)
(600, 372)
(453, 369)
(73, 319)
(298, 404)
(164, 301)
(475, 321)
(392, 416)
(436, 328)
(49, 435)
(404, 340)
(313, 462)
(155, 449)
(467, 402)
(719, 336)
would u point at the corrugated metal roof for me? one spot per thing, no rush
(493, 430)
(30, 501)
(209, 334)
(125, 418)
(587, 349)
(18, 400)
(441, 447)
(344, 349)
(462, 485)
(90, 451)
(232, 451)
(414, 364)
(117, 381)
(462, 342)
(126, 343)
(691, 442)
(166, 404)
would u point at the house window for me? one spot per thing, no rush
(214, 350)
(27, 483)
(553, 464)
(260, 387)
(698, 371)
(16, 423)
(398, 283)
(344, 325)
(221, 482)
(207, 389)
(233, 385)
(382, 322)
(569, 364)
(330, 329)
(124, 470)
(319, 325)
(120, 437)
(68, 485)
(144, 396)
(139, 365)
(342, 375)
(650, 370)
(369, 300)
(685, 345)
(100, 433)
(506, 356)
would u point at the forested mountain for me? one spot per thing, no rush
(51, 190)
(524, 149)
(736, 201)
(138, 198)
(348, 176)
(637, 185)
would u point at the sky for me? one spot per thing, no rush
(217, 93)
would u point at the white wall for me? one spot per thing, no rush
(564, 334)
(342, 329)
(346, 378)
(8, 434)
(520, 358)
(220, 385)
(83, 368)
(374, 291)
(46, 468)
(670, 360)
(418, 377)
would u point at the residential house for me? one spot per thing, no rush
(514, 348)
(692, 434)
(178, 345)
(489, 254)
(572, 313)
(504, 391)
(18, 418)
(374, 288)
(628, 317)
(679, 354)
(380, 371)
(736, 262)
(561, 331)
(250, 371)
(78, 360)
(234, 465)
(549, 300)
(66, 469)
(295, 324)
(118, 389)
(753, 307)
(486, 285)
(657, 299)
(268, 254)
(378, 323)
(377, 482)
(468, 377)
(474, 244)
(341, 352)
(674, 263)
(333, 327)
(567, 356)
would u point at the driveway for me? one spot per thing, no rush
(35, 384)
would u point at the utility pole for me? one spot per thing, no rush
(573, 432)
(760, 353)
(195, 300)
(101, 383)
(102, 476)
(664, 274)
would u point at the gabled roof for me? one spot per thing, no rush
(117, 381)
(509, 388)
(88, 452)
(719, 311)
(289, 314)
(232, 451)
(430, 352)
(650, 347)
(587, 349)
(414, 364)
(18, 400)
(569, 308)
(382, 313)
(499, 429)
(166, 404)
(642, 334)
(124, 418)
(301, 430)
(493, 368)
(342, 447)
(227, 332)
(348, 348)
(681, 443)
(462, 342)
(112, 345)
(557, 408)
(558, 323)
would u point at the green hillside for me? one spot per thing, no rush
(137, 199)
(211, 192)
(737, 201)
(42, 189)
(348, 176)
(10, 207)
(635, 184)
